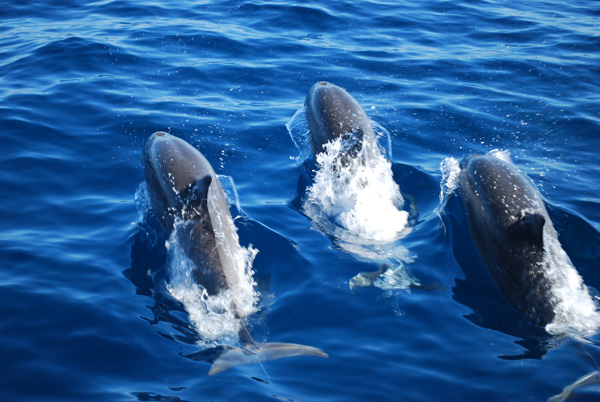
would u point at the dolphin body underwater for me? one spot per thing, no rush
(183, 186)
(517, 240)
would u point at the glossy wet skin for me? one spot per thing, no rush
(508, 222)
(183, 185)
(332, 113)
(171, 167)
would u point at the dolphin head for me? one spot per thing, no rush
(178, 178)
(332, 113)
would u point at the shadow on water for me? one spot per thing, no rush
(420, 189)
(148, 274)
(478, 292)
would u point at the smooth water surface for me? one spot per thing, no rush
(87, 314)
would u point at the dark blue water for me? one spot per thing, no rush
(85, 313)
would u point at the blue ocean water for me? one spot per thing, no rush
(85, 313)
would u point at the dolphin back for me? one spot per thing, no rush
(509, 224)
(260, 352)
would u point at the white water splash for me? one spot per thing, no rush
(212, 316)
(450, 170)
(576, 313)
(357, 202)
(362, 198)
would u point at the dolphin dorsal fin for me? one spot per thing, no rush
(196, 195)
(200, 190)
(529, 228)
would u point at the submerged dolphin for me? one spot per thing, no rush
(512, 231)
(182, 185)
(333, 113)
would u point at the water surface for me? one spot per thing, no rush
(86, 313)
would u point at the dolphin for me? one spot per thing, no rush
(512, 231)
(353, 186)
(183, 186)
(333, 113)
